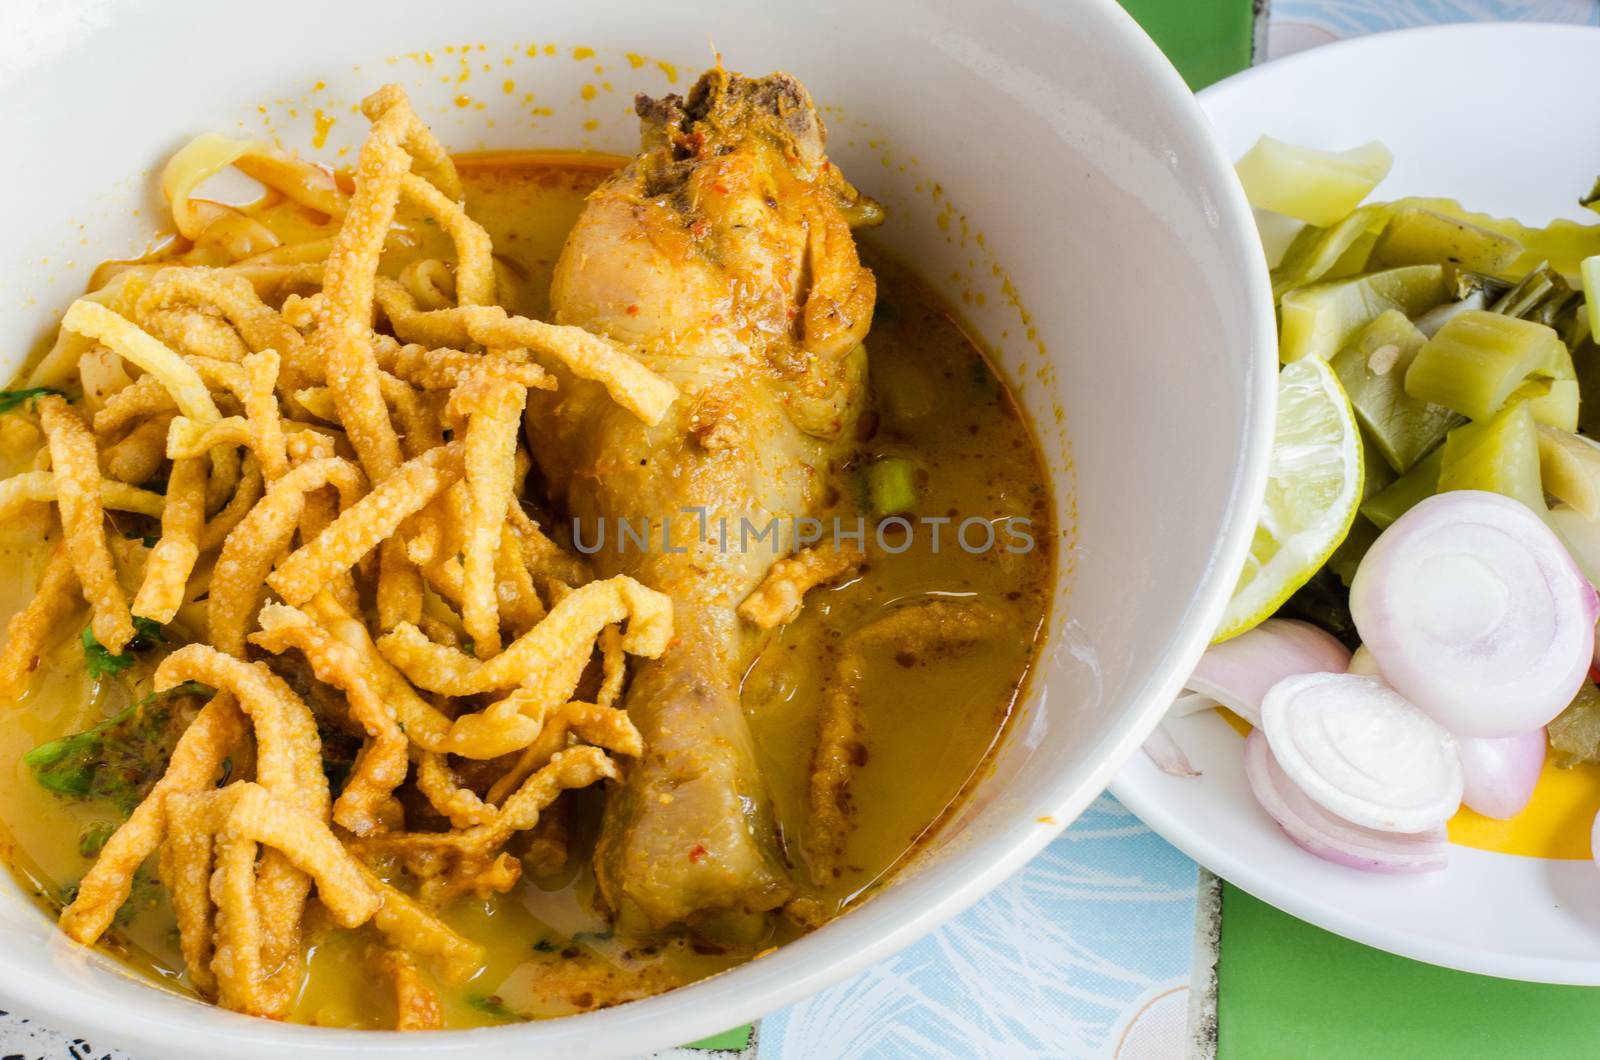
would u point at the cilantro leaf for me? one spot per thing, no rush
(11, 400)
(101, 662)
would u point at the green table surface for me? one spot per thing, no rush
(1290, 991)
(1206, 39)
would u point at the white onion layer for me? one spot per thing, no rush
(1499, 774)
(1362, 752)
(1475, 612)
(1319, 832)
(1238, 672)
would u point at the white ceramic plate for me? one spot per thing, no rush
(1505, 118)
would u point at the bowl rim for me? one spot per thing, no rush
(884, 926)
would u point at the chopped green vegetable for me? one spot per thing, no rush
(1592, 201)
(1500, 455)
(1317, 187)
(117, 761)
(1330, 253)
(1543, 296)
(1562, 244)
(93, 837)
(1575, 733)
(1569, 469)
(492, 1005)
(1410, 489)
(1323, 602)
(1417, 235)
(1348, 556)
(1372, 370)
(892, 485)
(1321, 320)
(11, 400)
(1475, 362)
(99, 660)
(1554, 402)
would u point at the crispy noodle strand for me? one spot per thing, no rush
(30, 629)
(166, 575)
(77, 478)
(585, 355)
(360, 528)
(255, 544)
(327, 484)
(493, 410)
(552, 654)
(382, 763)
(210, 738)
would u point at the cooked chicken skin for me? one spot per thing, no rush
(723, 255)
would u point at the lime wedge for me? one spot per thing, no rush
(1313, 491)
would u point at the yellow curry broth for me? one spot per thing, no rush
(930, 720)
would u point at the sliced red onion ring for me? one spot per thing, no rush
(1189, 703)
(1238, 672)
(1476, 613)
(1499, 774)
(1362, 662)
(1319, 832)
(1166, 754)
(1362, 752)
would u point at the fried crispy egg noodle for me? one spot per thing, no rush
(370, 479)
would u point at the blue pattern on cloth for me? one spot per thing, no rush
(1353, 18)
(1055, 962)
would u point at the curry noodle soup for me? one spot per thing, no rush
(426, 616)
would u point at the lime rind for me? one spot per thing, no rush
(1313, 493)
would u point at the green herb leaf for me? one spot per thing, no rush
(11, 400)
(100, 661)
(117, 761)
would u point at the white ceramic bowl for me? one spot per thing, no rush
(1039, 158)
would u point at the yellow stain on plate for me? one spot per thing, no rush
(321, 124)
(1555, 824)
